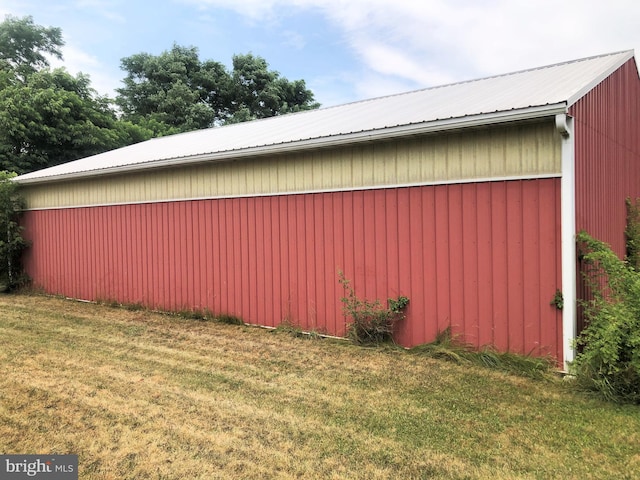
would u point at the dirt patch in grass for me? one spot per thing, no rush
(143, 395)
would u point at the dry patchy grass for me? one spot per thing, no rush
(140, 395)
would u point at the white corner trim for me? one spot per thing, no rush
(568, 238)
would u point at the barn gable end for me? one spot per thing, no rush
(607, 167)
(607, 139)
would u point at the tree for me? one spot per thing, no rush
(176, 91)
(11, 242)
(23, 45)
(48, 116)
(171, 92)
(53, 117)
(258, 92)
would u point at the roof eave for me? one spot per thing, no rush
(458, 123)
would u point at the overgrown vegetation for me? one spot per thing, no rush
(296, 331)
(447, 347)
(371, 322)
(143, 395)
(189, 314)
(12, 244)
(227, 319)
(608, 359)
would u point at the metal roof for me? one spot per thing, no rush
(526, 94)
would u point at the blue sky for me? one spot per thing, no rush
(346, 50)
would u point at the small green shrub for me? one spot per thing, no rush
(608, 359)
(371, 322)
(558, 300)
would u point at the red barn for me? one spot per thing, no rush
(466, 198)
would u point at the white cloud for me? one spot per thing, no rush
(75, 60)
(431, 42)
(255, 10)
(396, 45)
(395, 62)
(107, 9)
(464, 39)
(294, 39)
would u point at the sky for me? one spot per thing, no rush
(345, 50)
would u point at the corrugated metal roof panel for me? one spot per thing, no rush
(557, 84)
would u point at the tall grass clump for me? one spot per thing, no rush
(447, 347)
(608, 358)
(371, 322)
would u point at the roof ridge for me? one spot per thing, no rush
(410, 92)
(480, 79)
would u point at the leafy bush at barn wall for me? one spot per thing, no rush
(608, 360)
(372, 323)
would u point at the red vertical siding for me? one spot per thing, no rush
(607, 133)
(607, 165)
(479, 258)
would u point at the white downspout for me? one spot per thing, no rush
(564, 125)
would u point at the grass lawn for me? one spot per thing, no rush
(142, 395)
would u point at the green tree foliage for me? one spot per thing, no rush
(608, 360)
(53, 117)
(11, 242)
(172, 92)
(258, 92)
(48, 116)
(177, 92)
(24, 45)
